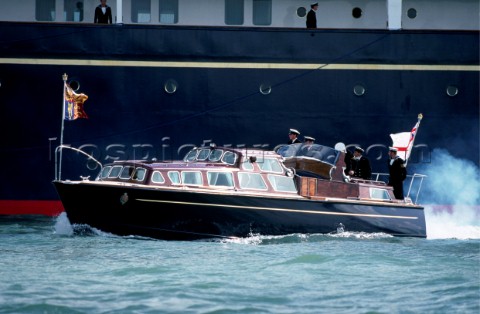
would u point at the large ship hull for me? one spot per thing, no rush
(156, 91)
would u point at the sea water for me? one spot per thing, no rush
(49, 266)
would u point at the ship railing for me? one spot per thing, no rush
(414, 187)
(58, 165)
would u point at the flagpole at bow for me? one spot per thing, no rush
(65, 78)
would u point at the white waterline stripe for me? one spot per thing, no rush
(239, 65)
(277, 209)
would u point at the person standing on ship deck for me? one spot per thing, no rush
(103, 13)
(397, 171)
(312, 16)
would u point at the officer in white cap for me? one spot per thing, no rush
(309, 140)
(293, 135)
(312, 16)
(397, 171)
(307, 146)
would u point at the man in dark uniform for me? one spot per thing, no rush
(293, 135)
(359, 165)
(103, 13)
(312, 16)
(397, 171)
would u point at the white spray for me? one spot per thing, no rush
(453, 190)
(63, 226)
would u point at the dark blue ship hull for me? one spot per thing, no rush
(238, 86)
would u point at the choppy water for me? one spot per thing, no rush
(49, 268)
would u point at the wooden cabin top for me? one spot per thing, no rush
(252, 171)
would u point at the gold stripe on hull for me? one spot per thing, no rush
(240, 65)
(278, 209)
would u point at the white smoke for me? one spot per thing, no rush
(453, 191)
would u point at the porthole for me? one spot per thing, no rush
(301, 12)
(265, 89)
(75, 85)
(412, 13)
(359, 90)
(452, 91)
(357, 13)
(170, 86)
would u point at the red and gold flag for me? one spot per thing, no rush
(74, 104)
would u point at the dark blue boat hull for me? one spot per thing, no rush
(187, 215)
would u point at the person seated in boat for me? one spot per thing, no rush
(358, 166)
(397, 172)
(306, 149)
(293, 135)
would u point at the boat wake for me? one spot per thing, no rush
(63, 227)
(258, 239)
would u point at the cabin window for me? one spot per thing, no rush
(126, 172)
(203, 154)
(282, 184)
(139, 174)
(192, 177)
(115, 172)
(262, 12)
(379, 194)
(251, 181)
(247, 165)
(45, 10)
(157, 177)
(229, 158)
(220, 179)
(191, 155)
(73, 10)
(141, 11)
(105, 172)
(215, 155)
(270, 165)
(174, 176)
(168, 13)
(234, 12)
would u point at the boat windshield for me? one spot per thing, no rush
(315, 151)
(214, 155)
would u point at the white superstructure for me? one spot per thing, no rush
(336, 14)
